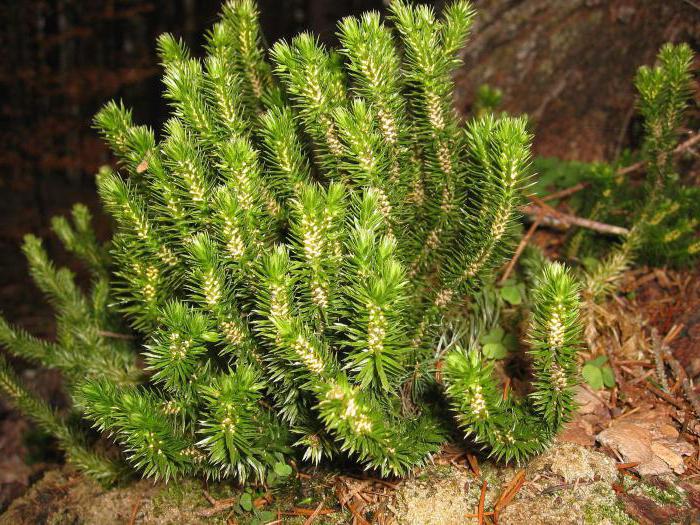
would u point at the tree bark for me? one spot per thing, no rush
(570, 65)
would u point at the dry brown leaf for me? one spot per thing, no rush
(633, 443)
(650, 439)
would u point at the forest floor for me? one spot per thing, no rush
(631, 454)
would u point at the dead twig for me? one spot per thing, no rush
(682, 377)
(641, 378)
(217, 505)
(346, 500)
(635, 362)
(357, 517)
(679, 149)
(519, 250)
(352, 492)
(542, 204)
(626, 414)
(565, 221)
(657, 348)
(565, 192)
(663, 356)
(666, 397)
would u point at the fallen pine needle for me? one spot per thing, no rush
(135, 511)
(506, 386)
(482, 498)
(509, 492)
(314, 514)
(623, 466)
(301, 511)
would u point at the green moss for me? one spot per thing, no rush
(609, 513)
(604, 507)
(184, 492)
(662, 491)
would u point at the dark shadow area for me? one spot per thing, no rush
(61, 61)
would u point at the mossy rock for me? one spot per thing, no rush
(567, 485)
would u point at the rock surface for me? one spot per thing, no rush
(569, 484)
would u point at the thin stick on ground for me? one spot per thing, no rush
(686, 385)
(666, 397)
(217, 505)
(663, 355)
(679, 149)
(482, 499)
(519, 250)
(565, 192)
(657, 349)
(561, 220)
(135, 511)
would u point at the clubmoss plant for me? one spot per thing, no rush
(287, 252)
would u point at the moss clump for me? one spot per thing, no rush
(184, 493)
(661, 490)
(604, 508)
